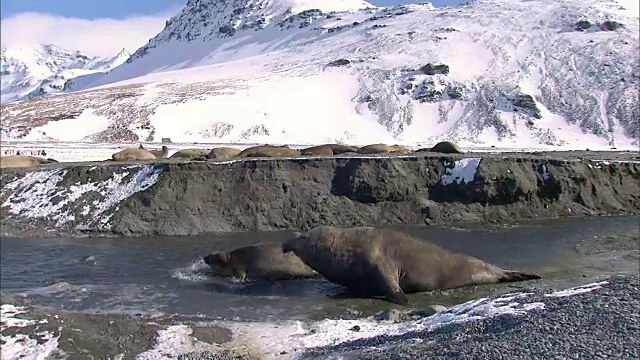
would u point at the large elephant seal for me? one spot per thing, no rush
(263, 261)
(446, 147)
(19, 161)
(389, 263)
(222, 153)
(328, 150)
(160, 154)
(191, 154)
(133, 154)
(268, 151)
(383, 148)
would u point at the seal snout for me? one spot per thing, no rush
(207, 259)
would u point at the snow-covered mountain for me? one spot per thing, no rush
(491, 72)
(29, 72)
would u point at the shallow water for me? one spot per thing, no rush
(165, 275)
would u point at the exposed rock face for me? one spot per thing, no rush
(182, 198)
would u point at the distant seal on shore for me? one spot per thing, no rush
(160, 154)
(383, 148)
(388, 263)
(446, 147)
(327, 149)
(133, 154)
(221, 153)
(17, 161)
(192, 154)
(268, 151)
(263, 261)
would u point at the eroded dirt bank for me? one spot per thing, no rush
(199, 198)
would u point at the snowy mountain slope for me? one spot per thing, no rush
(500, 72)
(44, 69)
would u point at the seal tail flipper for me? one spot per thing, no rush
(513, 276)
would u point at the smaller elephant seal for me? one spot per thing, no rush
(191, 154)
(446, 147)
(263, 261)
(222, 153)
(133, 154)
(382, 148)
(20, 161)
(268, 151)
(327, 150)
(388, 263)
(160, 154)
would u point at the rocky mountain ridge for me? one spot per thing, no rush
(491, 72)
(33, 71)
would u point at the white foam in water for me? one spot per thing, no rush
(128, 299)
(21, 346)
(196, 272)
(578, 290)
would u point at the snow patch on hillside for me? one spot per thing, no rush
(462, 171)
(40, 195)
(30, 72)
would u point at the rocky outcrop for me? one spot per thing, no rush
(195, 198)
(433, 69)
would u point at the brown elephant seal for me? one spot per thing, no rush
(263, 261)
(382, 148)
(221, 153)
(133, 154)
(268, 151)
(19, 161)
(160, 154)
(327, 149)
(389, 263)
(446, 147)
(191, 154)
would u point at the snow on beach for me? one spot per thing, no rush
(286, 340)
(20, 346)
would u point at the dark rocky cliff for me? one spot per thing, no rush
(198, 198)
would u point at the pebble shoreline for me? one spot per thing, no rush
(601, 324)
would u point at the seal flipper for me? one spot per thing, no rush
(388, 283)
(513, 276)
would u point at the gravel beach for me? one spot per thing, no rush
(601, 324)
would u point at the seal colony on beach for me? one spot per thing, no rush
(387, 263)
(276, 151)
(225, 153)
(22, 161)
